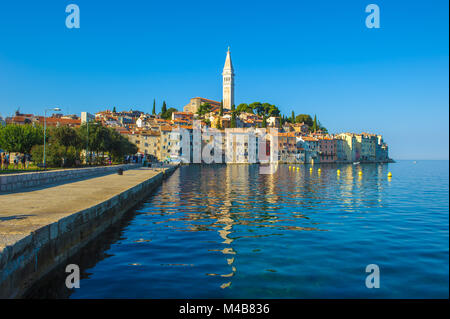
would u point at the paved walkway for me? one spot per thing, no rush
(22, 213)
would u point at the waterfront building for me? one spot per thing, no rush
(340, 153)
(166, 143)
(350, 147)
(311, 147)
(327, 149)
(381, 150)
(371, 141)
(241, 146)
(150, 144)
(366, 147)
(287, 148)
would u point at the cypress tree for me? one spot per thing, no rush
(233, 119)
(315, 123)
(163, 109)
(154, 108)
(293, 117)
(221, 108)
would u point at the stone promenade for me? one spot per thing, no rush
(52, 223)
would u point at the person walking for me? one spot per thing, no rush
(22, 161)
(6, 161)
(16, 161)
(27, 160)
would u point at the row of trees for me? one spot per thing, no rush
(65, 145)
(264, 110)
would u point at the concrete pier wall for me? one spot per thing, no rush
(14, 182)
(30, 258)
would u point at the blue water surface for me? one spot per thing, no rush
(222, 231)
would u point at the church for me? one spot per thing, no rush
(227, 90)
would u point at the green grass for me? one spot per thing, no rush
(34, 168)
(31, 168)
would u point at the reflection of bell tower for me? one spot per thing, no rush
(228, 82)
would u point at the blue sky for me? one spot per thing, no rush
(314, 57)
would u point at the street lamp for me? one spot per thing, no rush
(57, 109)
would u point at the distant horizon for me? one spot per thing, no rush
(312, 58)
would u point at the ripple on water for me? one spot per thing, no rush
(227, 231)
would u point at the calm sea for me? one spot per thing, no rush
(230, 232)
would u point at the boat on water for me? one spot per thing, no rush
(355, 163)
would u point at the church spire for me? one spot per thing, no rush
(228, 82)
(228, 63)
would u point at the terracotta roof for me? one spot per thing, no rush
(309, 138)
(208, 100)
(166, 128)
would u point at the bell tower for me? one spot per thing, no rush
(228, 82)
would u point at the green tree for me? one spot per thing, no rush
(304, 118)
(168, 114)
(114, 110)
(257, 107)
(65, 136)
(56, 155)
(273, 111)
(99, 139)
(65, 145)
(120, 146)
(20, 138)
(204, 108)
(233, 119)
(221, 109)
(154, 107)
(244, 108)
(293, 117)
(163, 108)
(314, 127)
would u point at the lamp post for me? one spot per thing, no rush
(45, 128)
(87, 140)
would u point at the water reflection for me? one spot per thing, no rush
(227, 231)
(222, 198)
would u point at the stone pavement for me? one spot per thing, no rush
(24, 212)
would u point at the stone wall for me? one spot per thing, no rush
(14, 182)
(31, 258)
